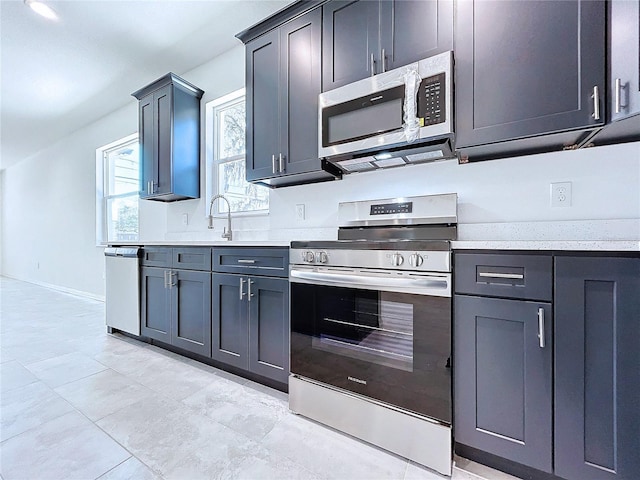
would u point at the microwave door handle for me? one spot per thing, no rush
(355, 280)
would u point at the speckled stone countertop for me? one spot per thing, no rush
(556, 245)
(204, 243)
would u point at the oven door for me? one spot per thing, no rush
(384, 335)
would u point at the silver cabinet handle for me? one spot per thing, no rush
(515, 276)
(617, 95)
(384, 61)
(281, 163)
(171, 275)
(242, 294)
(541, 327)
(273, 163)
(596, 103)
(373, 65)
(249, 283)
(149, 187)
(166, 282)
(242, 260)
(153, 187)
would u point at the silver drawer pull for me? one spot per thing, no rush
(541, 327)
(242, 260)
(514, 276)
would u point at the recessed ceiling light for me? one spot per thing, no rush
(42, 9)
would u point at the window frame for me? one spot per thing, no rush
(212, 155)
(102, 198)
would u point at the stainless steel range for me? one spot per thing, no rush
(371, 326)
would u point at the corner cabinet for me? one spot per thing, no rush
(530, 76)
(176, 297)
(251, 310)
(283, 68)
(169, 131)
(363, 38)
(597, 371)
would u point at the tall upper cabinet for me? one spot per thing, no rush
(530, 76)
(169, 130)
(362, 38)
(283, 68)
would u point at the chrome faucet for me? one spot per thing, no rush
(227, 231)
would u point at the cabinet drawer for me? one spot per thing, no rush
(265, 261)
(192, 258)
(156, 257)
(504, 275)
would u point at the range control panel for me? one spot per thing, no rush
(437, 261)
(388, 208)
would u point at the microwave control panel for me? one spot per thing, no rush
(431, 104)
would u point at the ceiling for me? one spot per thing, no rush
(58, 76)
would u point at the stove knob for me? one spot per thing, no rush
(308, 256)
(397, 259)
(416, 260)
(321, 257)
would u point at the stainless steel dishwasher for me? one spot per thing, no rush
(122, 290)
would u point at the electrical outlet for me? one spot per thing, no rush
(300, 211)
(561, 194)
(185, 219)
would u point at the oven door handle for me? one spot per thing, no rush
(429, 283)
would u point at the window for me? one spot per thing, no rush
(118, 189)
(226, 120)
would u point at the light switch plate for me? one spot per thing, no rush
(300, 211)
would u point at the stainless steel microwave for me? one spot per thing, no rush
(395, 118)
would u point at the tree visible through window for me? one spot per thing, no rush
(121, 189)
(229, 135)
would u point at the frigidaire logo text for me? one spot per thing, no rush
(357, 380)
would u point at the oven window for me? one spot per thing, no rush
(366, 325)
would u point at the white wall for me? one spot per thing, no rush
(48, 201)
(605, 186)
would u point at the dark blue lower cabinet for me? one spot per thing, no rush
(250, 324)
(503, 378)
(269, 327)
(176, 308)
(155, 304)
(191, 311)
(229, 320)
(597, 368)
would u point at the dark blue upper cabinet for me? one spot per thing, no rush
(530, 76)
(169, 131)
(624, 77)
(283, 82)
(363, 38)
(597, 368)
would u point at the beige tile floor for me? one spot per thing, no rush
(77, 403)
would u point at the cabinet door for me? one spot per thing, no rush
(146, 135)
(350, 41)
(527, 68)
(191, 316)
(625, 58)
(412, 30)
(263, 97)
(300, 79)
(597, 368)
(229, 320)
(155, 304)
(502, 396)
(163, 118)
(269, 327)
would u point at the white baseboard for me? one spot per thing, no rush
(70, 291)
